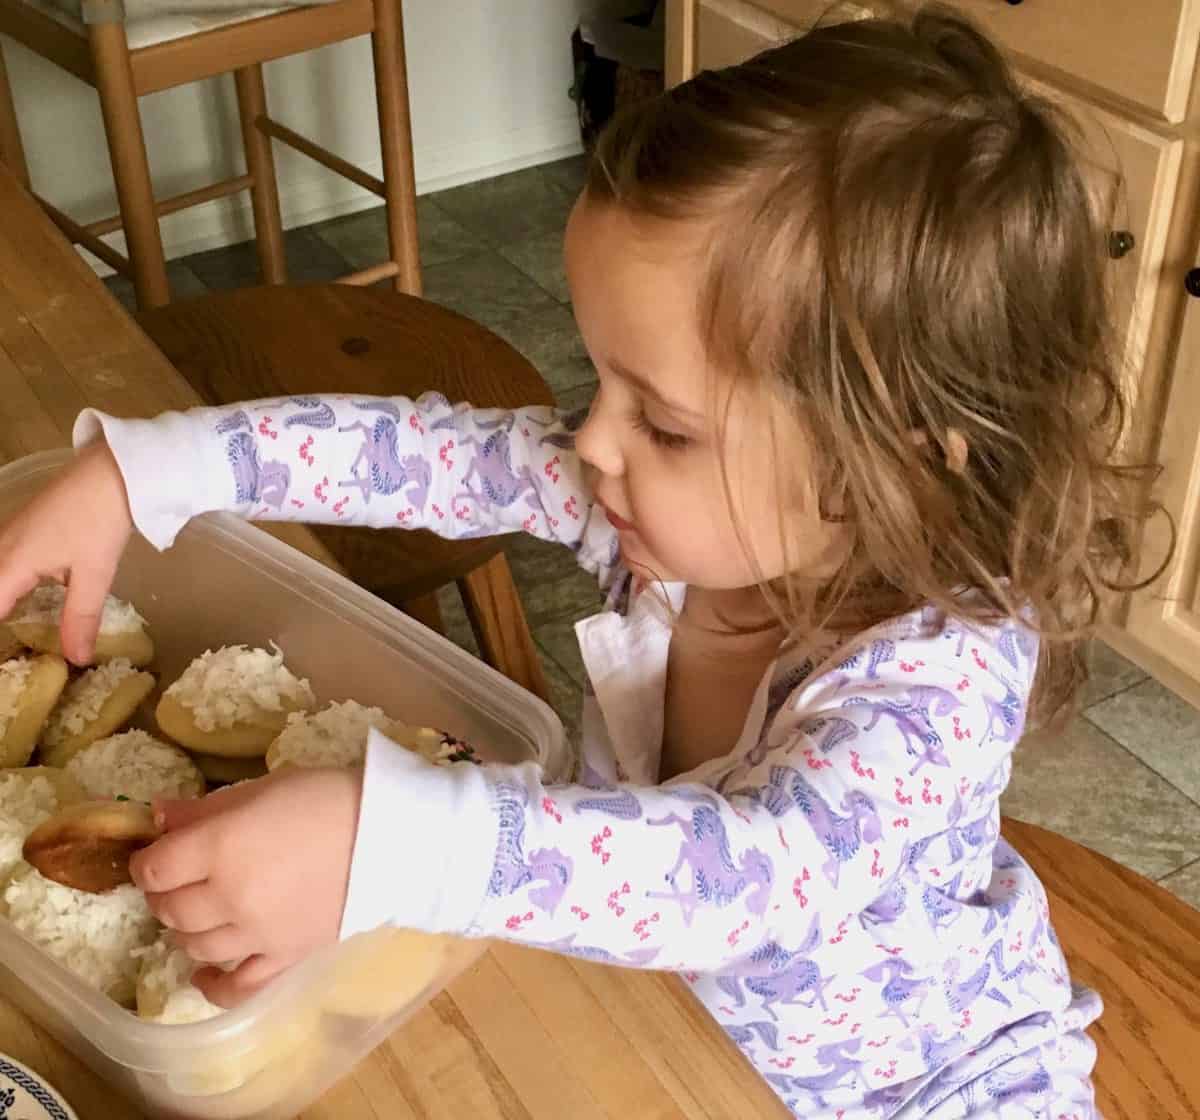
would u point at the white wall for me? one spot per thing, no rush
(488, 83)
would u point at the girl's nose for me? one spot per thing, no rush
(597, 442)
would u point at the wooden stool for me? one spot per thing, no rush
(1139, 947)
(272, 342)
(95, 47)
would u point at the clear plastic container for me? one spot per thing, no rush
(225, 582)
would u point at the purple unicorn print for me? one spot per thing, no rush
(936, 1052)
(882, 651)
(941, 907)
(256, 481)
(638, 958)
(961, 995)
(1016, 643)
(843, 1075)
(889, 906)
(912, 717)
(1006, 718)
(496, 483)
(235, 421)
(1004, 1087)
(785, 977)
(716, 880)
(388, 472)
(829, 731)
(624, 807)
(319, 415)
(898, 989)
(744, 1036)
(841, 836)
(511, 870)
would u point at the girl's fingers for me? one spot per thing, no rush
(176, 860)
(192, 909)
(228, 989)
(225, 943)
(82, 612)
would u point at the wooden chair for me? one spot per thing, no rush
(1139, 947)
(270, 342)
(125, 61)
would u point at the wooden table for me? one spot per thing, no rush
(527, 1034)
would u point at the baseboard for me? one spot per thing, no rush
(320, 195)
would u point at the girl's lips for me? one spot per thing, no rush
(618, 523)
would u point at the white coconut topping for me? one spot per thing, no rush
(84, 697)
(14, 676)
(165, 992)
(24, 803)
(44, 605)
(334, 736)
(235, 684)
(136, 765)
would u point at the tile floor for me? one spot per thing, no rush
(1123, 778)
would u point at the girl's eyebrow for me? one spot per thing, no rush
(647, 386)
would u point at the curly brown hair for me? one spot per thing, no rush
(906, 252)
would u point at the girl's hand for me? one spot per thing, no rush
(256, 873)
(74, 531)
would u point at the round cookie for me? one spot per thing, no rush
(66, 789)
(136, 765)
(86, 846)
(228, 771)
(36, 620)
(334, 736)
(93, 706)
(10, 645)
(232, 702)
(165, 992)
(29, 689)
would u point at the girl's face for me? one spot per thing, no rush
(653, 436)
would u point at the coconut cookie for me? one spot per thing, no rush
(10, 645)
(94, 706)
(29, 796)
(36, 619)
(165, 992)
(29, 689)
(87, 846)
(233, 702)
(334, 736)
(93, 935)
(337, 736)
(138, 766)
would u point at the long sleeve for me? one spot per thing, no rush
(859, 771)
(373, 461)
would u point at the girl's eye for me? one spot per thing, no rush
(670, 441)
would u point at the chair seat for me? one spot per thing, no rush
(150, 22)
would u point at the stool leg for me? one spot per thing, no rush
(131, 169)
(498, 620)
(395, 131)
(425, 610)
(264, 195)
(12, 151)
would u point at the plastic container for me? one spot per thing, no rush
(224, 582)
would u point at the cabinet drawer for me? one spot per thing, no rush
(1143, 51)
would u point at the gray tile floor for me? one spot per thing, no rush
(1123, 777)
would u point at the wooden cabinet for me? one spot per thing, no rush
(1125, 72)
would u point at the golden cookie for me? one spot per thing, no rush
(134, 645)
(135, 764)
(29, 689)
(242, 740)
(93, 707)
(87, 846)
(10, 645)
(227, 771)
(381, 973)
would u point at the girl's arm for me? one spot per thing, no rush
(683, 877)
(380, 462)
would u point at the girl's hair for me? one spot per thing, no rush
(905, 252)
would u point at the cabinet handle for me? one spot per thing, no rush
(1120, 242)
(1192, 282)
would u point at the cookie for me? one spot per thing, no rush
(135, 764)
(232, 702)
(93, 706)
(10, 645)
(87, 846)
(36, 619)
(29, 689)
(378, 974)
(334, 736)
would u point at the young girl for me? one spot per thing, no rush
(847, 480)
